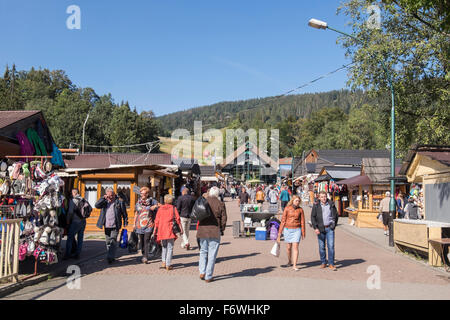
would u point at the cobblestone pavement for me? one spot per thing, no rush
(245, 267)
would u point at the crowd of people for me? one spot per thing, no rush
(162, 223)
(165, 222)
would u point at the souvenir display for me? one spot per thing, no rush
(33, 193)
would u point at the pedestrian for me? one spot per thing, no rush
(76, 225)
(112, 212)
(185, 203)
(222, 193)
(144, 222)
(233, 192)
(292, 226)
(324, 218)
(412, 209)
(400, 204)
(209, 232)
(243, 199)
(252, 193)
(273, 195)
(384, 211)
(164, 230)
(284, 197)
(260, 196)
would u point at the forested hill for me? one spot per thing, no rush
(264, 112)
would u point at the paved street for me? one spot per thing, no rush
(246, 270)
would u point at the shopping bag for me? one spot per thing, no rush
(123, 238)
(133, 242)
(155, 249)
(275, 249)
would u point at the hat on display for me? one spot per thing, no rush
(3, 166)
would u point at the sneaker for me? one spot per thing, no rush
(188, 246)
(209, 280)
(333, 268)
(163, 266)
(144, 260)
(323, 266)
(202, 276)
(169, 268)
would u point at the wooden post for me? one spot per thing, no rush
(2, 257)
(16, 252)
(434, 249)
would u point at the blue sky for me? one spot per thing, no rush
(168, 56)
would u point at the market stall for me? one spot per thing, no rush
(32, 192)
(366, 191)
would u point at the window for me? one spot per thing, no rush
(105, 185)
(124, 191)
(90, 192)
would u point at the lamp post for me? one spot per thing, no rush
(314, 23)
(84, 126)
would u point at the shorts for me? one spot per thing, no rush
(385, 218)
(292, 235)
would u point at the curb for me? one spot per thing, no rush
(9, 289)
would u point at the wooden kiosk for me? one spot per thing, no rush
(366, 192)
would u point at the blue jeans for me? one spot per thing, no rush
(328, 238)
(75, 228)
(208, 253)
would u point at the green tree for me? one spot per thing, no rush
(414, 44)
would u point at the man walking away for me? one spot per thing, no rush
(113, 211)
(76, 223)
(185, 203)
(209, 232)
(324, 218)
(273, 195)
(384, 210)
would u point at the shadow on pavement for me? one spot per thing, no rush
(218, 260)
(246, 273)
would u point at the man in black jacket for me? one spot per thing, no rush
(112, 212)
(324, 218)
(185, 203)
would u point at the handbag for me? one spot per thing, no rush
(175, 227)
(201, 209)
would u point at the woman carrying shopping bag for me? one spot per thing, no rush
(292, 227)
(165, 223)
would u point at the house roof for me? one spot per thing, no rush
(287, 161)
(8, 118)
(356, 181)
(346, 153)
(338, 173)
(442, 157)
(102, 160)
(439, 153)
(378, 169)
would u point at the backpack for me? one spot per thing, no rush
(85, 208)
(201, 209)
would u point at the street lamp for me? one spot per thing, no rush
(318, 24)
(84, 126)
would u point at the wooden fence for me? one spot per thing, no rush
(9, 253)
